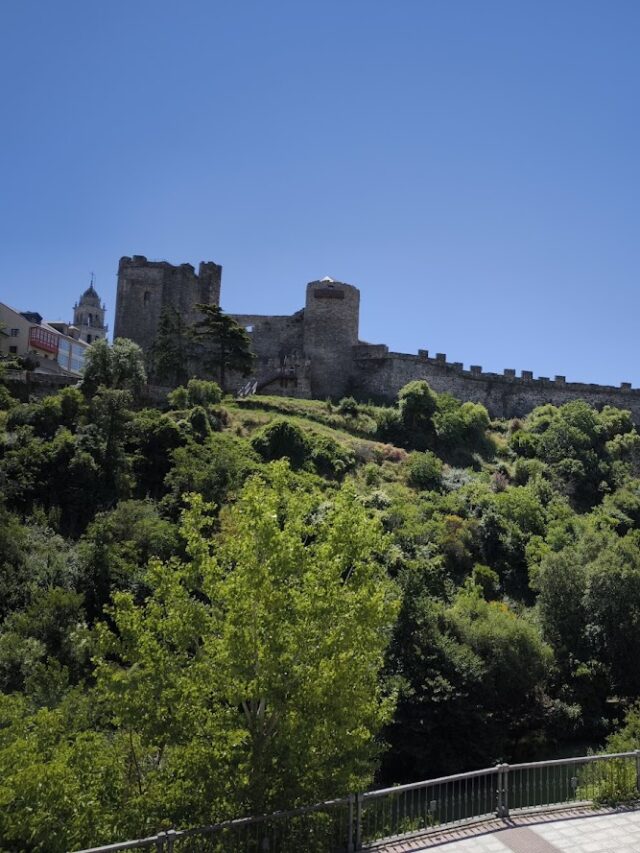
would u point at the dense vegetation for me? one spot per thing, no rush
(215, 607)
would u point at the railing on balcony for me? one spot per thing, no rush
(368, 820)
(43, 339)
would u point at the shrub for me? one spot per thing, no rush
(389, 425)
(199, 423)
(282, 439)
(424, 470)
(372, 474)
(178, 398)
(348, 407)
(330, 459)
(389, 453)
(202, 392)
(487, 580)
(455, 478)
(417, 405)
(377, 500)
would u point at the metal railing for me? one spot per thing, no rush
(248, 389)
(365, 821)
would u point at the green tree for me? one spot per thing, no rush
(169, 356)
(226, 345)
(115, 549)
(120, 366)
(417, 404)
(267, 645)
(473, 675)
(423, 470)
(282, 439)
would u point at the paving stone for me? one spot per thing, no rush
(576, 831)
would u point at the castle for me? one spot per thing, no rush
(317, 352)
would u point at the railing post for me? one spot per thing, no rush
(505, 793)
(502, 791)
(165, 838)
(638, 770)
(350, 826)
(358, 821)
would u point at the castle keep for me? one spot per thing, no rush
(317, 352)
(146, 287)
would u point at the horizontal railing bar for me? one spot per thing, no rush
(425, 783)
(585, 759)
(247, 821)
(123, 845)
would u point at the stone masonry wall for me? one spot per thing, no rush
(146, 287)
(380, 376)
(331, 317)
(273, 337)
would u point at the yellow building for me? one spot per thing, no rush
(49, 347)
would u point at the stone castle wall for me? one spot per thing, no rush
(316, 352)
(146, 287)
(380, 375)
(331, 317)
(273, 337)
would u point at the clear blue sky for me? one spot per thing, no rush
(471, 165)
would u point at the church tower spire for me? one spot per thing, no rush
(88, 315)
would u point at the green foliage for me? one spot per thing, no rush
(6, 400)
(471, 674)
(225, 344)
(330, 459)
(585, 452)
(120, 366)
(282, 439)
(215, 469)
(178, 398)
(389, 425)
(114, 552)
(151, 439)
(461, 428)
(157, 671)
(262, 651)
(417, 405)
(201, 392)
(424, 470)
(348, 406)
(169, 356)
(488, 580)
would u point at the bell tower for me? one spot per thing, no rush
(88, 315)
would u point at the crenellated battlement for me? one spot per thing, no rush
(381, 373)
(376, 351)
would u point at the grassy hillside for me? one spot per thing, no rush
(220, 606)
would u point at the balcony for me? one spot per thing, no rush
(43, 339)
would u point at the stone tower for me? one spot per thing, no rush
(331, 318)
(88, 316)
(145, 288)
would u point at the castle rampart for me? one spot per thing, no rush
(316, 352)
(505, 394)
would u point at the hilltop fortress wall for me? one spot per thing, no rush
(316, 352)
(380, 374)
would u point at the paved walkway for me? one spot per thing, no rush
(573, 832)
